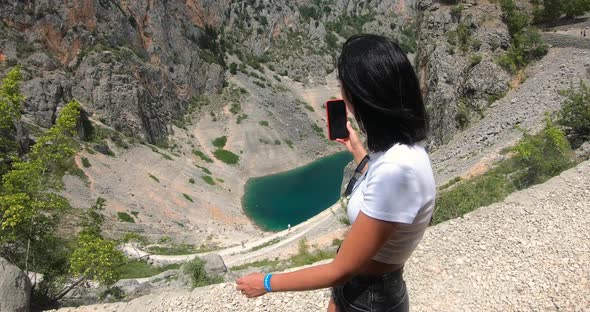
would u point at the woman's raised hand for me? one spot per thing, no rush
(353, 143)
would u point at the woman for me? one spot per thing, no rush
(390, 206)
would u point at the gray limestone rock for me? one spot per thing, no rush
(214, 264)
(15, 288)
(459, 77)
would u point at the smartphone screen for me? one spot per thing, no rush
(336, 111)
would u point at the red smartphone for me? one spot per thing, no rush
(336, 113)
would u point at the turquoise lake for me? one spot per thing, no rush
(294, 196)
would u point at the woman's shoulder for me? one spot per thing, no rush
(405, 156)
(406, 160)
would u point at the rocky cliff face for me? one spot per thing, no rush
(301, 39)
(135, 65)
(457, 46)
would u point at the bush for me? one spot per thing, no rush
(187, 197)
(191, 181)
(527, 43)
(125, 217)
(331, 40)
(85, 162)
(318, 130)
(233, 68)
(205, 170)
(235, 108)
(289, 143)
(226, 156)
(195, 269)
(241, 118)
(462, 118)
(543, 155)
(208, 180)
(474, 60)
(538, 158)
(263, 123)
(547, 10)
(154, 178)
(202, 156)
(220, 142)
(575, 114)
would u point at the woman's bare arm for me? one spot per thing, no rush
(364, 240)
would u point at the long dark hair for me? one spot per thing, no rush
(381, 84)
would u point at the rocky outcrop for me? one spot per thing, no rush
(301, 39)
(457, 47)
(214, 264)
(134, 65)
(15, 288)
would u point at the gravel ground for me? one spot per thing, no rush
(529, 253)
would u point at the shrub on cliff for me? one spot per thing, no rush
(575, 114)
(195, 269)
(527, 44)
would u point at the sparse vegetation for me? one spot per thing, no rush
(235, 108)
(204, 169)
(208, 180)
(344, 220)
(495, 97)
(226, 156)
(141, 269)
(187, 197)
(318, 130)
(549, 10)
(537, 158)
(182, 249)
(474, 60)
(450, 183)
(199, 277)
(575, 114)
(527, 44)
(462, 117)
(241, 118)
(125, 217)
(154, 178)
(269, 243)
(220, 142)
(202, 156)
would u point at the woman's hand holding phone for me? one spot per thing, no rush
(353, 144)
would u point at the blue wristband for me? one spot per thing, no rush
(267, 282)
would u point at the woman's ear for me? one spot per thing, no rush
(346, 99)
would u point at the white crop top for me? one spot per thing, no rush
(397, 187)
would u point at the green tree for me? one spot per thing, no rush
(28, 209)
(575, 114)
(527, 44)
(10, 103)
(573, 8)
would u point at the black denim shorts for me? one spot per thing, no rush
(373, 293)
